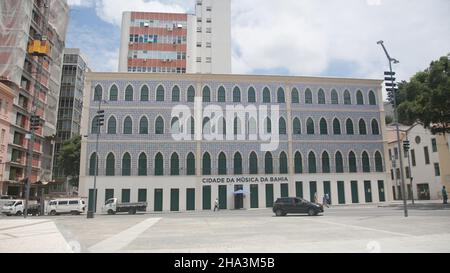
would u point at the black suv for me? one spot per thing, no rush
(286, 205)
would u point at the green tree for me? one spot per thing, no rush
(426, 97)
(69, 158)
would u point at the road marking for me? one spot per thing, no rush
(124, 238)
(359, 227)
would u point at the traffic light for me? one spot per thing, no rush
(391, 87)
(100, 117)
(35, 122)
(406, 145)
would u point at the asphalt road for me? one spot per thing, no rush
(340, 229)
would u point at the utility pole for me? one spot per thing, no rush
(407, 148)
(392, 94)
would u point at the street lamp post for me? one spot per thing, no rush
(394, 98)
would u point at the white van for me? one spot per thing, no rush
(16, 207)
(73, 206)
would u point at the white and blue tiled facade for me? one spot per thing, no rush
(194, 190)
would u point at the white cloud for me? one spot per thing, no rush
(81, 3)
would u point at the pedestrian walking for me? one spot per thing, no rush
(216, 204)
(444, 195)
(325, 201)
(328, 199)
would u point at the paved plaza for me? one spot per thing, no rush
(348, 229)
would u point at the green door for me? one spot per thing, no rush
(125, 195)
(269, 195)
(355, 198)
(91, 202)
(299, 189)
(190, 199)
(327, 189)
(142, 195)
(341, 192)
(368, 191)
(313, 191)
(222, 197)
(381, 191)
(158, 199)
(109, 193)
(174, 199)
(206, 197)
(254, 196)
(284, 190)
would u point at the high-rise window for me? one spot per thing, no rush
(437, 171)
(427, 155)
(433, 145)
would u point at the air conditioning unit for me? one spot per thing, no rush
(146, 24)
(179, 26)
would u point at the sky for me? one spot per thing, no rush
(336, 38)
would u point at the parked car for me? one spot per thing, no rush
(283, 206)
(74, 206)
(17, 207)
(112, 206)
(5, 199)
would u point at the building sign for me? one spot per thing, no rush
(245, 179)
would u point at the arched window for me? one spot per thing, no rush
(375, 128)
(312, 163)
(128, 126)
(221, 97)
(110, 164)
(175, 94)
(283, 163)
(92, 164)
(378, 162)
(295, 97)
(190, 164)
(280, 96)
(365, 162)
(268, 125)
(323, 127)
(237, 163)
(191, 94)
(98, 93)
(298, 164)
(159, 164)
(282, 126)
(113, 93)
(160, 93)
(236, 94)
(352, 162)
(252, 131)
(222, 164)
(266, 95)
(372, 99)
(222, 126)
(336, 127)
(325, 162)
(206, 164)
(362, 127)
(310, 126)
(349, 127)
(144, 93)
(334, 97)
(237, 126)
(206, 94)
(142, 165)
(359, 98)
(251, 95)
(175, 126)
(253, 163)
(129, 93)
(174, 164)
(268, 163)
(206, 126)
(347, 98)
(126, 165)
(95, 129)
(321, 97)
(339, 162)
(112, 125)
(159, 126)
(297, 127)
(308, 96)
(143, 126)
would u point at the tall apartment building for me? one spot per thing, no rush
(6, 101)
(70, 105)
(177, 42)
(32, 34)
